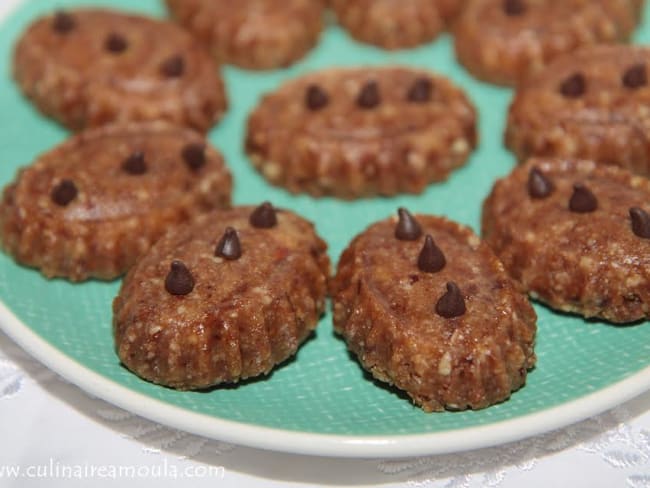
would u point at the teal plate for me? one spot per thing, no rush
(321, 402)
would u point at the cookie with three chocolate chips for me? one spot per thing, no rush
(90, 206)
(427, 307)
(224, 298)
(395, 24)
(90, 67)
(593, 104)
(505, 41)
(254, 34)
(576, 235)
(356, 132)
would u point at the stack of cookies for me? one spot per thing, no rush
(215, 294)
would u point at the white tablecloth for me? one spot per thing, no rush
(53, 434)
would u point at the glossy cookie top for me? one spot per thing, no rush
(121, 172)
(362, 104)
(102, 66)
(598, 97)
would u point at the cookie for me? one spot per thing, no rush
(594, 104)
(395, 24)
(505, 41)
(87, 68)
(361, 132)
(427, 307)
(576, 235)
(253, 34)
(90, 206)
(224, 298)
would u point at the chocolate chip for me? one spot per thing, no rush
(263, 217)
(369, 96)
(640, 222)
(514, 7)
(173, 67)
(63, 22)
(635, 77)
(431, 258)
(420, 91)
(582, 200)
(316, 98)
(179, 280)
(115, 43)
(194, 155)
(135, 164)
(539, 186)
(229, 246)
(63, 193)
(574, 86)
(452, 303)
(407, 229)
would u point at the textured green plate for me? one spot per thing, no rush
(321, 402)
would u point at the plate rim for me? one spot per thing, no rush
(315, 444)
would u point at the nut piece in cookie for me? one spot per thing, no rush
(395, 24)
(253, 34)
(427, 307)
(360, 132)
(505, 41)
(576, 235)
(224, 298)
(593, 104)
(91, 67)
(90, 206)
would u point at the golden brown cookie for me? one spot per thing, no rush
(396, 24)
(90, 206)
(426, 306)
(593, 104)
(576, 235)
(91, 67)
(254, 34)
(361, 132)
(505, 41)
(224, 298)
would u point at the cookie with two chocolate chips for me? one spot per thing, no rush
(90, 206)
(224, 298)
(593, 104)
(427, 307)
(505, 41)
(91, 67)
(359, 132)
(576, 235)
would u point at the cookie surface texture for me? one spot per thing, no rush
(593, 104)
(452, 333)
(572, 232)
(224, 298)
(88, 68)
(395, 24)
(90, 206)
(361, 132)
(505, 41)
(253, 34)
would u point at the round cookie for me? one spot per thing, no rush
(576, 235)
(90, 206)
(395, 24)
(593, 104)
(361, 132)
(91, 67)
(253, 34)
(224, 298)
(505, 41)
(427, 307)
